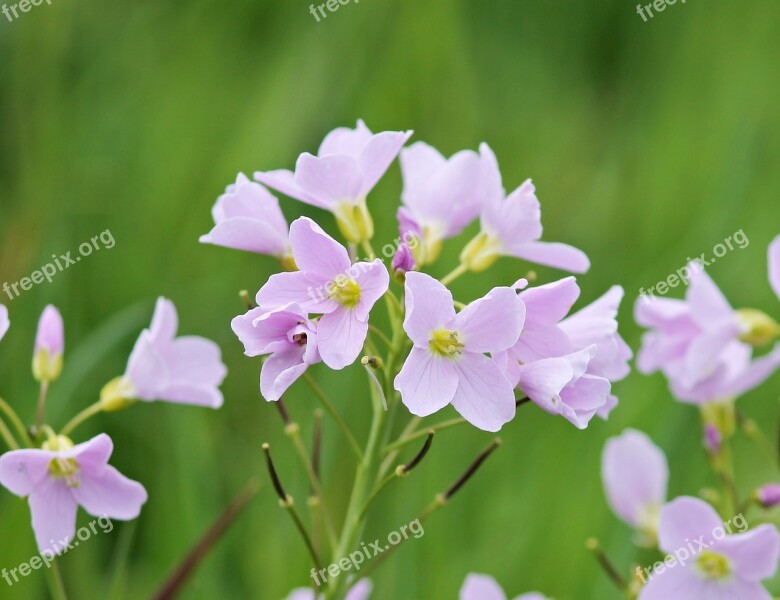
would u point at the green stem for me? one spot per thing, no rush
(41, 405)
(16, 422)
(85, 414)
(454, 274)
(334, 414)
(54, 579)
(401, 442)
(6, 434)
(378, 333)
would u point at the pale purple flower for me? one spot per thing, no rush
(712, 438)
(348, 165)
(5, 323)
(447, 364)
(49, 345)
(697, 344)
(635, 476)
(484, 587)
(440, 196)
(287, 334)
(730, 566)
(774, 265)
(565, 365)
(184, 370)
(60, 477)
(403, 259)
(329, 284)
(511, 226)
(248, 217)
(360, 591)
(769, 495)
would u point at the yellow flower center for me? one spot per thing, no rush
(759, 328)
(713, 565)
(345, 291)
(354, 221)
(444, 342)
(63, 468)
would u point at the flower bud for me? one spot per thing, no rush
(403, 261)
(758, 328)
(769, 495)
(712, 438)
(117, 394)
(49, 346)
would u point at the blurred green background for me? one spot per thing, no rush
(648, 143)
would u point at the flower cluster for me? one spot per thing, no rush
(57, 476)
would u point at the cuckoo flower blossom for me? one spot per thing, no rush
(722, 566)
(701, 344)
(440, 196)
(328, 283)
(360, 591)
(287, 334)
(484, 587)
(60, 477)
(348, 165)
(635, 475)
(184, 370)
(511, 226)
(49, 345)
(447, 363)
(248, 217)
(4, 322)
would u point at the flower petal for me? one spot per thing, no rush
(316, 252)
(331, 179)
(374, 280)
(377, 156)
(774, 266)
(340, 337)
(492, 323)
(5, 323)
(283, 180)
(554, 254)
(484, 396)
(684, 519)
(551, 302)
(53, 511)
(481, 587)
(344, 140)
(426, 382)
(429, 306)
(22, 470)
(307, 291)
(279, 372)
(110, 494)
(360, 591)
(708, 304)
(753, 554)
(543, 380)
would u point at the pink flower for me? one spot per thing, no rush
(729, 566)
(60, 477)
(440, 196)
(287, 334)
(185, 370)
(5, 323)
(774, 265)
(360, 591)
(49, 345)
(769, 495)
(403, 260)
(247, 217)
(700, 343)
(348, 165)
(511, 226)
(447, 363)
(484, 587)
(635, 476)
(329, 284)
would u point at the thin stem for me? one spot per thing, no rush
(334, 414)
(454, 274)
(85, 414)
(41, 404)
(54, 579)
(753, 431)
(408, 439)
(382, 337)
(593, 545)
(8, 436)
(16, 422)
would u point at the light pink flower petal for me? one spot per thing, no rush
(241, 233)
(516, 221)
(53, 511)
(310, 292)
(774, 265)
(316, 252)
(635, 476)
(755, 374)
(301, 594)
(377, 156)
(183, 392)
(50, 335)
(490, 179)
(554, 254)
(704, 352)
(543, 380)
(492, 323)
(373, 280)
(262, 331)
(93, 454)
(344, 140)
(283, 180)
(481, 587)
(165, 320)
(753, 554)
(484, 396)
(426, 382)
(22, 470)
(551, 302)
(340, 337)
(684, 583)
(684, 519)
(531, 596)
(668, 314)
(5, 323)
(195, 360)
(146, 368)
(110, 494)
(707, 302)
(332, 179)
(279, 372)
(583, 398)
(360, 591)
(608, 407)
(418, 161)
(429, 307)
